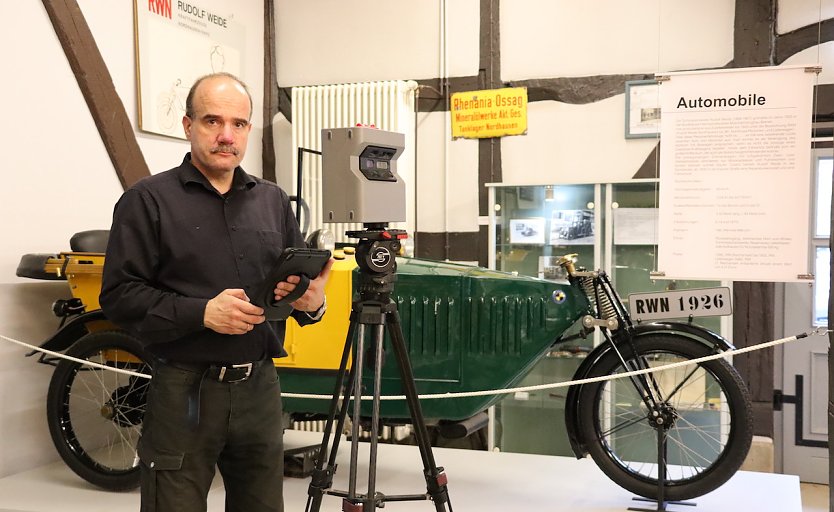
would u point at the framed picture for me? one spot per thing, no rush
(572, 227)
(642, 109)
(527, 231)
(175, 44)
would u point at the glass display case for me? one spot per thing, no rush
(609, 226)
(535, 225)
(532, 227)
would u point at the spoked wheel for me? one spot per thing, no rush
(95, 415)
(703, 409)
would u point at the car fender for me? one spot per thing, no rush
(76, 328)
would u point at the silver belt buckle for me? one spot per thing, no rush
(248, 367)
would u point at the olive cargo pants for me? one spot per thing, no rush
(240, 431)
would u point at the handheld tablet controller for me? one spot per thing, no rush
(304, 263)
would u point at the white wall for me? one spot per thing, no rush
(59, 180)
(337, 41)
(794, 14)
(603, 37)
(369, 40)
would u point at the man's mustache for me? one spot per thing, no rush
(225, 149)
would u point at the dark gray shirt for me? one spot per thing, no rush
(176, 242)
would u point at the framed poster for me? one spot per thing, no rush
(735, 174)
(176, 43)
(642, 109)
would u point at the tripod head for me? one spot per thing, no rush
(376, 254)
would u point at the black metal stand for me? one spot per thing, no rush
(661, 478)
(375, 256)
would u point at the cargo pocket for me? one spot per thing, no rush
(152, 463)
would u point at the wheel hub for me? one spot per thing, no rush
(125, 407)
(107, 411)
(663, 416)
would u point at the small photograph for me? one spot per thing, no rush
(649, 115)
(572, 227)
(527, 231)
(642, 115)
(549, 268)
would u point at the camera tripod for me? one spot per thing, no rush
(375, 255)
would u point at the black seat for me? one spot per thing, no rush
(31, 266)
(94, 240)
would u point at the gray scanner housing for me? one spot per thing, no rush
(359, 175)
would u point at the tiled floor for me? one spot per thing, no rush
(814, 497)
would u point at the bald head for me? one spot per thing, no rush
(223, 76)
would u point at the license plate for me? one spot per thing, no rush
(680, 304)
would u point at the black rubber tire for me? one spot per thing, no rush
(715, 425)
(95, 415)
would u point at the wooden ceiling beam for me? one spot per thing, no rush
(271, 93)
(97, 87)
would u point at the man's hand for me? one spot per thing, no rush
(232, 313)
(313, 298)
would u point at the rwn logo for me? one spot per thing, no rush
(161, 7)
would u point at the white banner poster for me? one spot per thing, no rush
(176, 43)
(735, 174)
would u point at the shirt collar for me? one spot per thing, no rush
(190, 174)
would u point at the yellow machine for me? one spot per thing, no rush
(320, 345)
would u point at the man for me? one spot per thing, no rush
(187, 248)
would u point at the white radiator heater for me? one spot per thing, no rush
(386, 105)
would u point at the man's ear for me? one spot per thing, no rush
(186, 126)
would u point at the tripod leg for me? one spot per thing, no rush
(370, 503)
(322, 477)
(436, 479)
(357, 410)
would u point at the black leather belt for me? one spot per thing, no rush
(233, 373)
(229, 373)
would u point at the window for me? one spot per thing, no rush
(822, 230)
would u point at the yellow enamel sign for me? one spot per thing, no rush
(489, 113)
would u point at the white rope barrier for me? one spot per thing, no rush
(821, 331)
(538, 387)
(77, 360)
